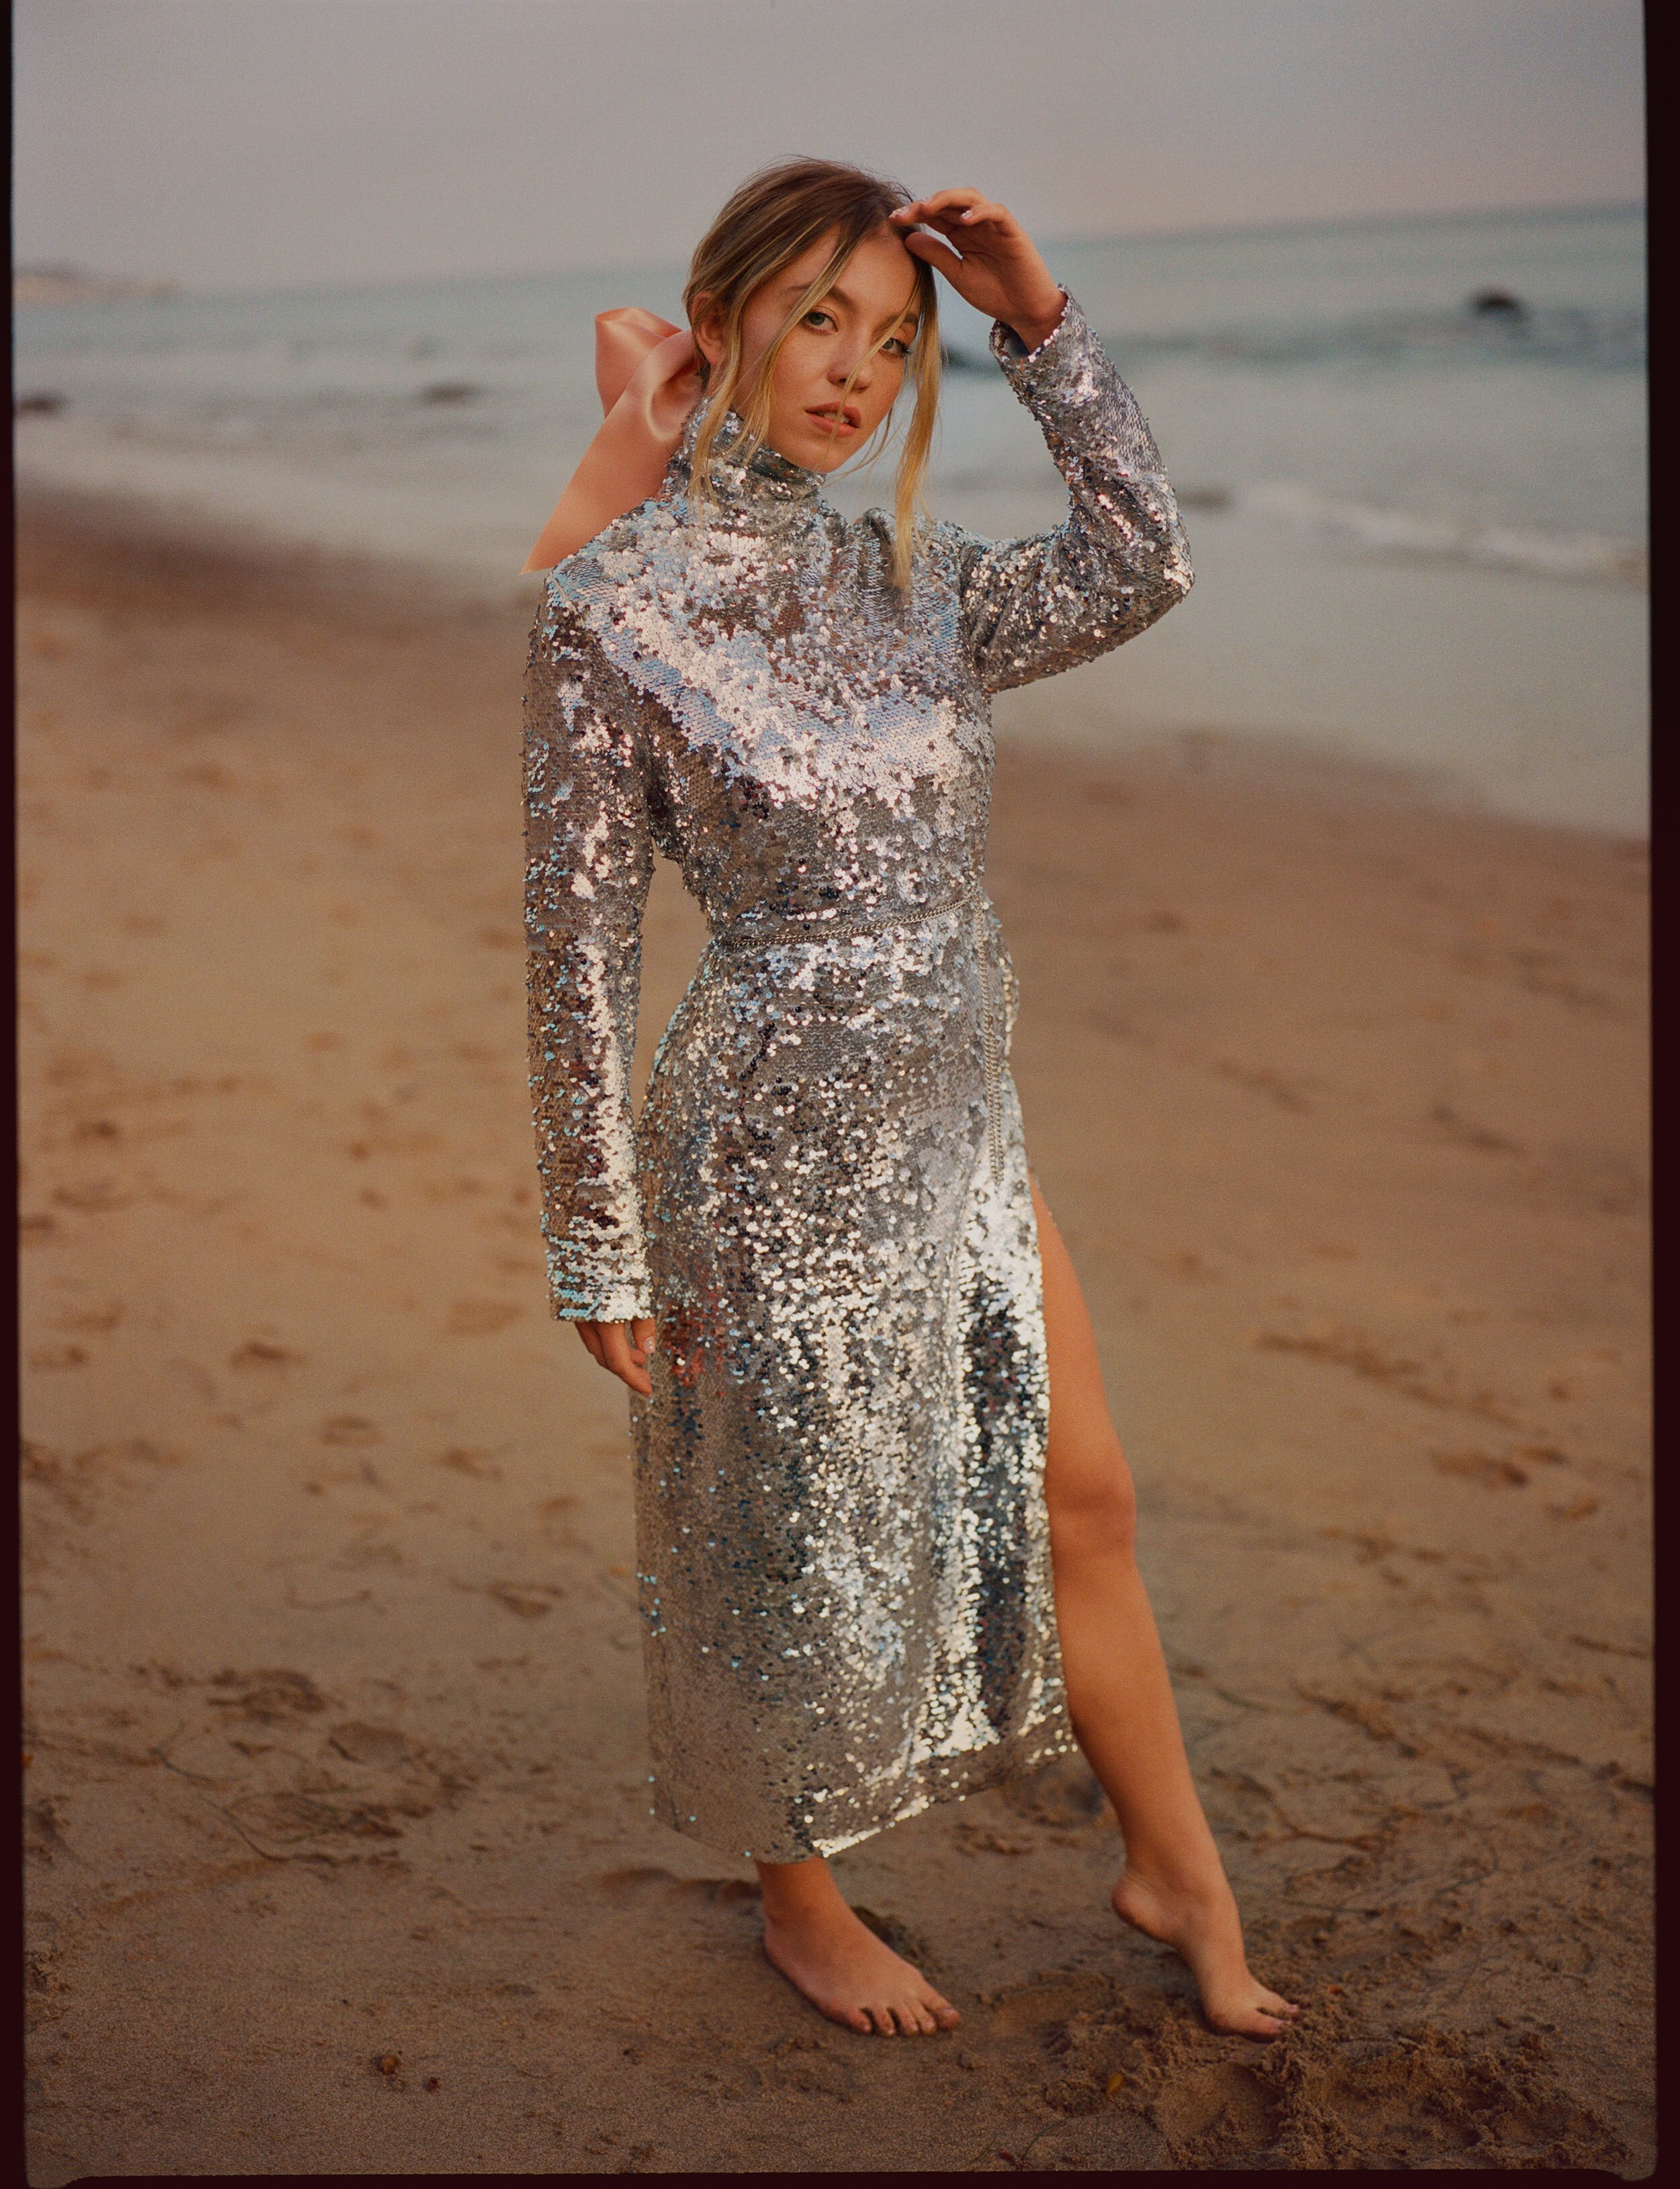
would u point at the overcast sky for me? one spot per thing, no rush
(256, 143)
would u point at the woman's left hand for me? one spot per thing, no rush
(1000, 271)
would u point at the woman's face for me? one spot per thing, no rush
(875, 297)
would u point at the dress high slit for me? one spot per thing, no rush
(842, 1544)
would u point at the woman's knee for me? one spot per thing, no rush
(1093, 1506)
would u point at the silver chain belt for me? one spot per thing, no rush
(752, 928)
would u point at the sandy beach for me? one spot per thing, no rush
(340, 1853)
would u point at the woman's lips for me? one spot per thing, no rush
(836, 422)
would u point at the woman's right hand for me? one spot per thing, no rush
(622, 1348)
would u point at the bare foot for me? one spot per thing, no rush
(1203, 1925)
(847, 1972)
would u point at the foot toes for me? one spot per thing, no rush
(1249, 2013)
(1251, 2023)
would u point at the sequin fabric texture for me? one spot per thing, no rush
(841, 1533)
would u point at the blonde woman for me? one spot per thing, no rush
(885, 1526)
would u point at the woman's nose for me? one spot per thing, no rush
(859, 370)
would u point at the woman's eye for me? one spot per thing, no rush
(818, 318)
(896, 346)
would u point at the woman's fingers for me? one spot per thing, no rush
(953, 209)
(952, 202)
(987, 257)
(622, 1348)
(936, 249)
(627, 1361)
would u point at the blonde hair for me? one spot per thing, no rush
(774, 216)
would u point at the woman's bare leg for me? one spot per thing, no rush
(1119, 1697)
(815, 1941)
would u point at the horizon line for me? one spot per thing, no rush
(179, 288)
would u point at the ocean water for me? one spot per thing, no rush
(1419, 527)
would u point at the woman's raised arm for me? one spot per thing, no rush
(1119, 561)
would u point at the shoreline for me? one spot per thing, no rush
(334, 1679)
(1079, 720)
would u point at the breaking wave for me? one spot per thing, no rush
(1589, 556)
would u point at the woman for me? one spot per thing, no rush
(885, 1526)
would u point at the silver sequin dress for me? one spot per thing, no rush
(842, 1539)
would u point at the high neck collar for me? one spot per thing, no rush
(764, 481)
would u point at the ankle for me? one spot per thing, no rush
(797, 1892)
(1171, 1874)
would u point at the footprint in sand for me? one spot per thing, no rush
(462, 1459)
(1028, 2008)
(1580, 1508)
(128, 1451)
(92, 1196)
(1064, 1795)
(58, 1357)
(43, 1835)
(478, 1318)
(1470, 1135)
(351, 1429)
(262, 1354)
(361, 1553)
(104, 1317)
(287, 1819)
(1432, 2099)
(557, 1531)
(262, 1365)
(975, 1839)
(270, 1696)
(364, 1472)
(1482, 1466)
(646, 1878)
(382, 1745)
(534, 1602)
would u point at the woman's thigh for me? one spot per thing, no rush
(1085, 1471)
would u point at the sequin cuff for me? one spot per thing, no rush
(632, 1301)
(1071, 387)
(1007, 345)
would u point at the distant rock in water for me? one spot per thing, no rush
(1204, 497)
(451, 391)
(41, 405)
(1498, 304)
(963, 360)
(71, 285)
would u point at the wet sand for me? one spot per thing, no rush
(340, 1854)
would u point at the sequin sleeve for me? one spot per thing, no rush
(589, 854)
(1117, 563)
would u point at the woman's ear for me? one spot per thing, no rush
(706, 324)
